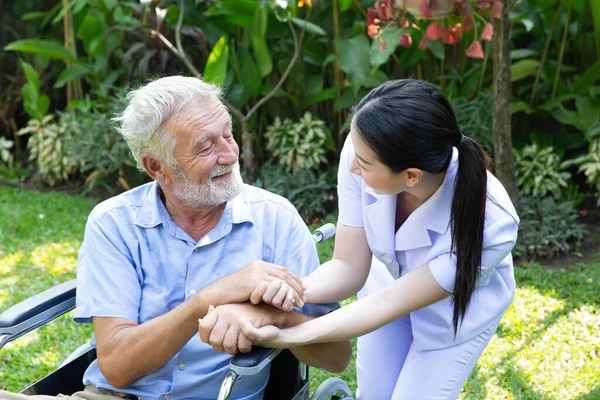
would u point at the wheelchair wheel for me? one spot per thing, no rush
(333, 389)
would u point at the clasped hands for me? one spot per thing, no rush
(261, 293)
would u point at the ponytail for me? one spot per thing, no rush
(468, 213)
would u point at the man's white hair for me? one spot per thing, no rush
(151, 106)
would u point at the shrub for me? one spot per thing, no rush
(540, 172)
(547, 228)
(589, 164)
(310, 193)
(299, 145)
(53, 160)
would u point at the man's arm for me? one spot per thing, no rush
(128, 351)
(221, 329)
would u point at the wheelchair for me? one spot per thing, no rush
(288, 379)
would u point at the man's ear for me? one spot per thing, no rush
(413, 176)
(155, 169)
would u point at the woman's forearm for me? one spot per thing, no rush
(335, 281)
(411, 292)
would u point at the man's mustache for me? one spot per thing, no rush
(223, 169)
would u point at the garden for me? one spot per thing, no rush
(523, 77)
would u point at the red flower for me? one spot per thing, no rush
(424, 42)
(488, 32)
(497, 10)
(475, 50)
(301, 3)
(434, 31)
(372, 27)
(452, 35)
(405, 40)
(583, 213)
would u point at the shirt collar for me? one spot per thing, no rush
(150, 214)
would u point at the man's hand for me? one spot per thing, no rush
(259, 280)
(221, 326)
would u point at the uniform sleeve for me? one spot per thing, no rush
(297, 251)
(107, 280)
(498, 241)
(349, 189)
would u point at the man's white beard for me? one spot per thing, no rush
(197, 195)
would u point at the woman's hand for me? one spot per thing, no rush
(267, 336)
(278, 294)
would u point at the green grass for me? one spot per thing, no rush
(547, 346)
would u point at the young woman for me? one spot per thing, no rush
(432, 229)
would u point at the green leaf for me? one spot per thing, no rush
(91, 32)
(344, 5)
(43, 104)
(519, 54)
(557, 101)
(249, 74)
(588, 111)
(375, 79)
(437, 49)
(262, 56)
(32, 76)
(348, 99)
(594, 131)
(352, 58)
(523, 69)
(216, 65)
(518, 106)
(390, 37)
(588, 79)
(72, 73)
(595, 6)
(259, 22)
(326, 94)
(310, 27)
(33, 15)
(567, 117)
(49, 48)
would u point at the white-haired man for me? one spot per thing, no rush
(154, 259)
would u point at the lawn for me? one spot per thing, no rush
(547, 346)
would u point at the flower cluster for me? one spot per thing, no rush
(448, 20)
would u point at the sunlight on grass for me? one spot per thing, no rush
(55, 258)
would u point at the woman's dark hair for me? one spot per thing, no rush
(411, 124)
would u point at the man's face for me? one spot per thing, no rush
(208, 172)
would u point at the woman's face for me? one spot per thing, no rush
(375, 174)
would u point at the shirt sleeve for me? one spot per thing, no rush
(498, 241)
(297, 251)
(349, 189)
(107, 280)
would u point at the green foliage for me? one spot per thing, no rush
(35, 102)
(5, 146)
(589, 164)
(310, 193)
(299, 145)
(54, 161)
(540, 172)
(474, 116)
(547, 228)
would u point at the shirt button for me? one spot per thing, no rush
(197, 249)
(182, 366)
(192, 292)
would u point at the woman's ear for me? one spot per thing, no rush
(413, 176)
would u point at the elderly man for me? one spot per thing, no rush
(154, 259)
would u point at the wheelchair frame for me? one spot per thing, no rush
(289, 379)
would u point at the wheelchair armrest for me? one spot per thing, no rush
(36, 311)
(254, 361)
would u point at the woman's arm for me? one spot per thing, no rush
(336, 280)
(346, 273)
(411, 292)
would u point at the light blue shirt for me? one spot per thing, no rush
(136, 263)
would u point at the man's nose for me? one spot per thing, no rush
(227, 154)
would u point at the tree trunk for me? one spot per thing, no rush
(503, 150)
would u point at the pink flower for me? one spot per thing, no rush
(405, 40)
(452, 35)
(434, 31)
(497, 10)
(372, 27)
(424, 42)
(475, 50)
(488, 32)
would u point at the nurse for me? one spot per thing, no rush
(426, 231)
